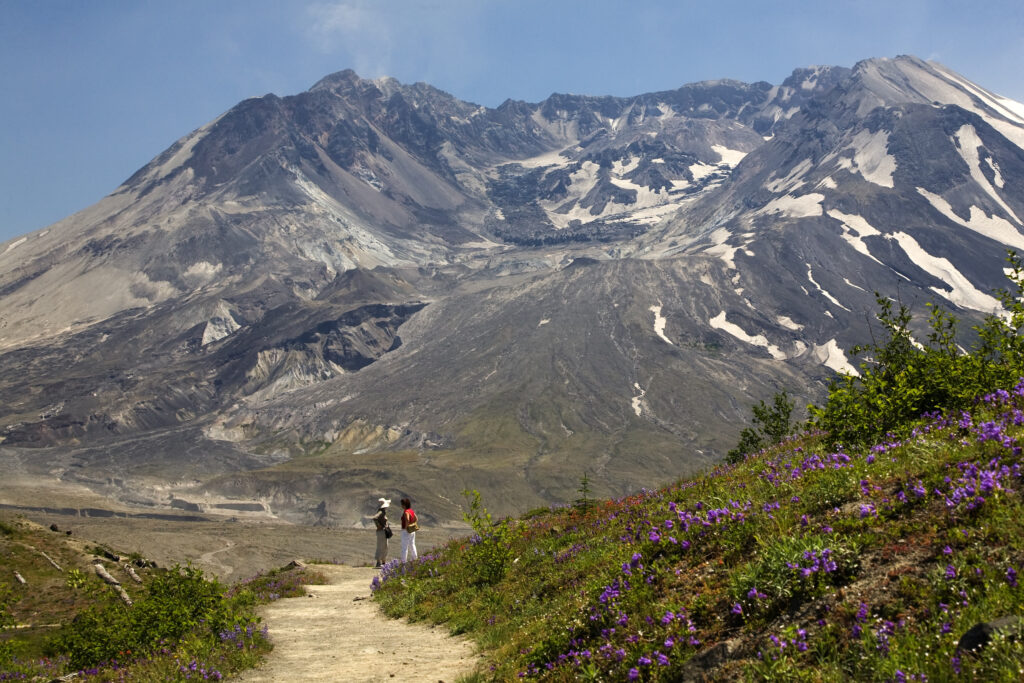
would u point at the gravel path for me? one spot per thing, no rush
(337, 633)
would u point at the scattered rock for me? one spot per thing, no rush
(979, 635)
(295, 564)
(699, 667)
(54, 527)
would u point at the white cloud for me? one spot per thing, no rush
(358, 28)
(408, 40)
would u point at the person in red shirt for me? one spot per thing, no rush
(410, 525)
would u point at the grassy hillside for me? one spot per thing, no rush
(64, 619)
(881, 559)
(803, 562)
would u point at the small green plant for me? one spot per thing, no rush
(771, 424)
(75, 579)
(490, 549)
(584, 500)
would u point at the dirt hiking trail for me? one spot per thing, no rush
(336, 633)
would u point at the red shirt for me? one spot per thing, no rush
(408, 517)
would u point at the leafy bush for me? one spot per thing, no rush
(902, 379)
(179, 602)
(489, 548)
(771, 425)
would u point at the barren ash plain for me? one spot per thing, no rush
(232, 547)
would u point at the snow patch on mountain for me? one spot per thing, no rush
(792, 181)
(721, 248)
(659, 323)
(855, 229)
(831, 356)
(810, 278)
(1000, 183)
(719, 322)
(788, 323)
(700, 170)
(581, 182)
(802, 206)
(969, 143)
(15, 243)
(217, 328)
(871, 157)
(729, 156)
(638, 399)
(203, 271)
(1013, 106)
(963, 293)
(552, 158)
(994, 227)
(952, 88)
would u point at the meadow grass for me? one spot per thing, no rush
(802, 562)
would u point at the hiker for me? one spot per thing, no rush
(380, 520)
(410, 525)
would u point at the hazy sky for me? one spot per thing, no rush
(91, 90)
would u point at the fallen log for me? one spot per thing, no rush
(20, 578)
(102, 572)
(131, 572)
(50, 560)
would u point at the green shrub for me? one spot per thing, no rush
(490, 551)
(771, 424)
(179, 602)
(902, 379)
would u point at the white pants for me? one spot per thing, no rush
(408, 546)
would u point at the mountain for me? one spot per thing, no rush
(373, 286)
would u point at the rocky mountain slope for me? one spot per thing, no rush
(373, 286)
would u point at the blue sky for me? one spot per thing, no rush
(92, 90)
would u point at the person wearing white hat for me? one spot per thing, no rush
(380, 520)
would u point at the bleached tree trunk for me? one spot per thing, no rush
(50, 560)
(102, 572)
(131, 572)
